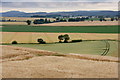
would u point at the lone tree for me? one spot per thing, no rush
(28, 22)
(100, 19)
(60, 37)
(45, 20)
(66, 38)
(112, 19)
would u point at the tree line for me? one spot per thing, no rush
(43, 21)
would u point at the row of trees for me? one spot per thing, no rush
(39, 21)
(111, 19)
(62, 39)
(43, 21)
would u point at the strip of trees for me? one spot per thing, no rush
(45, 21)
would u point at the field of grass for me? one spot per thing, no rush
(85, 47)
(63, 29)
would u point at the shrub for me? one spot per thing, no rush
(14, 42)
(77, 40)
(41, 41)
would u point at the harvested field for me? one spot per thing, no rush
(22, 18)
(54, 66)
(31, 37)
(85, 23)
(14, 23)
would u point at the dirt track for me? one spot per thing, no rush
(31, 63)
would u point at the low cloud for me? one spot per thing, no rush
(58, 6)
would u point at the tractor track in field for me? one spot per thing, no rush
(106, 49)
(34, 63)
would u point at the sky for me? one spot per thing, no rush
(57, 5)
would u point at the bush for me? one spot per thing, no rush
(14, 42)
(77, 40)
(41, 41)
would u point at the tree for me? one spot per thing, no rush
(28, 22)
(63, 20)
(39, 21)
(101, 19)
(66, 38)
(9, 20)
(46, 21)
(104, 19)
(92, 20)
(57, 19)
(60, 37)
(112, 19)
(49, 21)
(14, 42)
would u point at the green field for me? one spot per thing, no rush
(63, 29)
(85, 47)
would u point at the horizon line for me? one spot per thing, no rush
(55, 11)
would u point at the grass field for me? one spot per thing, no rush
(63, 29)
(85, 47)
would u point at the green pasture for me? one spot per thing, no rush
(85, 47)
(63, 29)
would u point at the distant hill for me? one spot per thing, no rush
(70, 13)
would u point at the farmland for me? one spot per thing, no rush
(85, 47)
(31, 37)
(17, 60)
(58, 29)
(22, 18)
(81, 23)
(66, 39)
(49, 60)
(93, 43)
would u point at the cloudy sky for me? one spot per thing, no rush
(57, 5)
